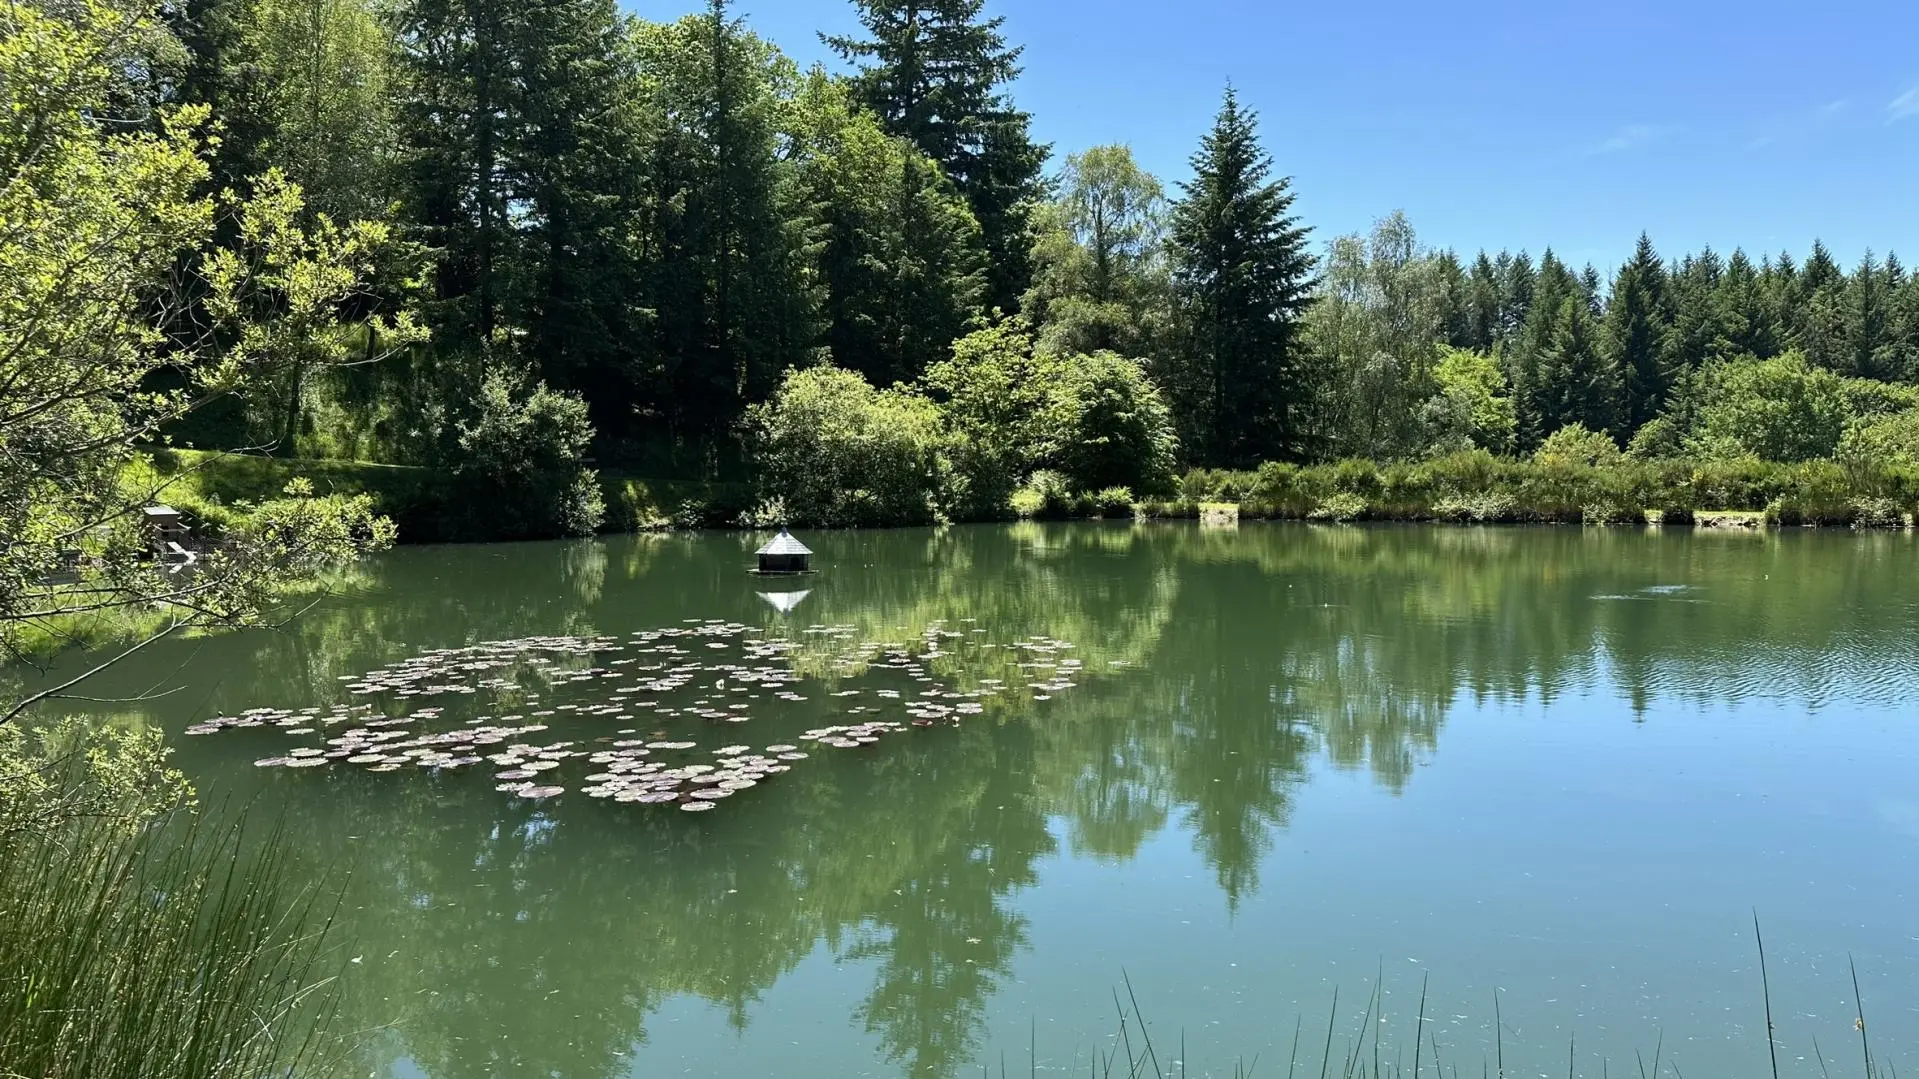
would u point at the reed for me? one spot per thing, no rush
(169, 951)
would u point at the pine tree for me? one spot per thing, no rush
(1482, 306)
(573, 169)
(1456, 297)
(899, 254)
(1701, 330)
(1902, 358)
(1817, 303)
(1752, 319)
(1868, 322)
(457, 120)
(1634, 338)
(935, 72)
(730, 277)
(1574, 382)
(1589, 290)
(1244, 276)
(1528, 348)
(1517, 281)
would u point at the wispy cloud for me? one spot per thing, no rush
(1799, 123)
(1627, 138)
(1906, 104)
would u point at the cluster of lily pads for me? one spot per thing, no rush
(708, 672)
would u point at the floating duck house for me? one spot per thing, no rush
(785, 554)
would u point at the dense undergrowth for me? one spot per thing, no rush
(1464, 488)
(1480, 488)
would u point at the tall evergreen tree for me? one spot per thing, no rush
(1752, 319)
(1868, 314)
(731, 275)
(1482, 306)
(1701, 328)
(457, 120)
(1245, 278)
(1589, 290)
(572, 170)
(1573, 380)
(1817, 306)
(1902, 360)
(1633, 338)
(1546, 291)
(1517, 281)
(899, 254)
(936, 71)
(1455, 294)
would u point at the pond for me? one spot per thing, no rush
(997, 775)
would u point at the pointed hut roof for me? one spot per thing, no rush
(784, 544)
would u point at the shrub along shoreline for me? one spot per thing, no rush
(1464, 488)
(1478, 488)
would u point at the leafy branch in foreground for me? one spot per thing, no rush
(119, 316)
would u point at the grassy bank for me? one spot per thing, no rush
(209, 485)
(422, 501)
(1480, 488)
(1472, 488)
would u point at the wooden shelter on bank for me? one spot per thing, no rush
(785, 554)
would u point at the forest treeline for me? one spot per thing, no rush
(869, 296)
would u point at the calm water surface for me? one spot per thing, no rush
(1562, 765)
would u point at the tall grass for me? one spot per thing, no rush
(1480, 488)
(1131, 1053)
(178, 953)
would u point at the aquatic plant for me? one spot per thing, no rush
(708, 671)
(132, 956)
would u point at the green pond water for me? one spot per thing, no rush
(1240, 768)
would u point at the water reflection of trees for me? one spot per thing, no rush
(507, 939)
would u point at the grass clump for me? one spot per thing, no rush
(136, 943)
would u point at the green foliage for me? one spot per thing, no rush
(1659, 438)
(1112, 502)
(1375, 332)
(1782, 409)
(1339, 506)
(934, 72)
(994, 394)
(1564, 486)
(521, 472)
(900, 254)
(109, 227)
(216, 489)
(1885, 440)
(836, 452)
(1100, 279)
(219, 981)
(1010, 408)
(1472, 404)
(312, 82)
(1575, 445)
(80, 769)
(642, 505)
(1047, 495)
(1111, 426)
(1244, 279)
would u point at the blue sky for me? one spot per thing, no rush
(1496, 123)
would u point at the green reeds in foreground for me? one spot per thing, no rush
(1128, 1060)
(165, 953)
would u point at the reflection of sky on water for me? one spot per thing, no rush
(1298, 757)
